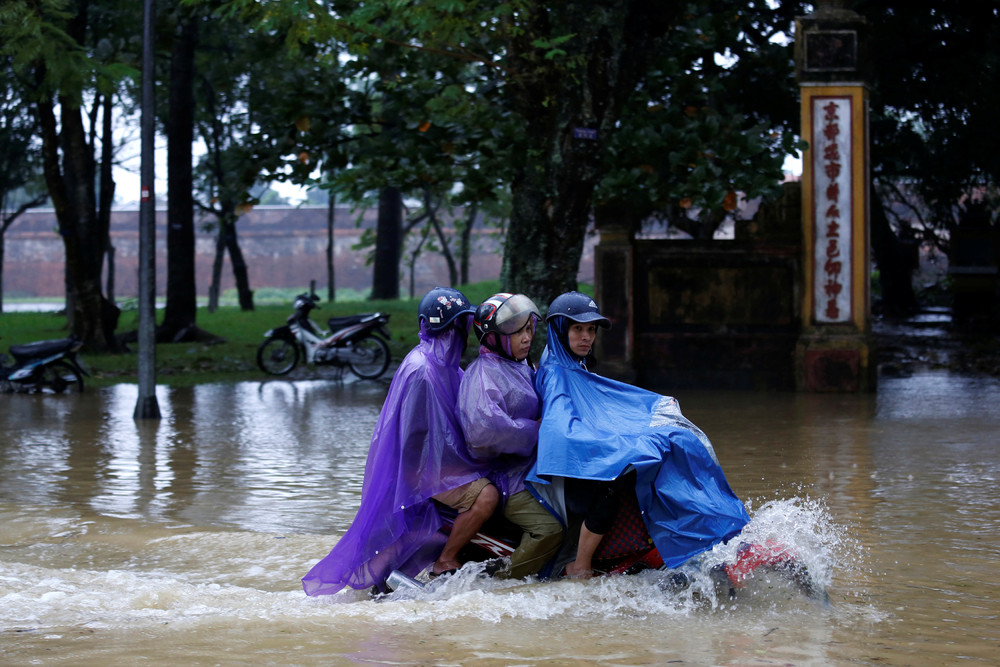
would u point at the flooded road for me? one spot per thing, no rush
(183, 540)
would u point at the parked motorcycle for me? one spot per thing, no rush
(358, 342)
(46, 366)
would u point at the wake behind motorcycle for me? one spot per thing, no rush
(358, 342)
(44, 367)
(627, 549)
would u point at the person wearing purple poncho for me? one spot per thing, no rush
(500, 411)
(417, 454)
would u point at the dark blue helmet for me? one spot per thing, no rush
(578, 307)
(441, 306)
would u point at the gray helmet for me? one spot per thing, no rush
(578, 307)
(441, 306)
(504, 314)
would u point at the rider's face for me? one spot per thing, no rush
(520, 342)
(581, 338)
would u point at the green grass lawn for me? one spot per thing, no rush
(234, 359)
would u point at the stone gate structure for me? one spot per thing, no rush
(786, 304)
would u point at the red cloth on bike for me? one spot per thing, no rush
(628, 535)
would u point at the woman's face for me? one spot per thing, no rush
(520, 342)
(581, 337)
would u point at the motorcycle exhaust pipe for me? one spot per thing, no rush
(397, 580)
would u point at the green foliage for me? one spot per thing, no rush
(715, 115)
(35, 32)
(20, 157)
(935, 90)
(437, 99)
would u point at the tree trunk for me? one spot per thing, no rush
(239, 264)
(465, 249)
(548, 222)
(182, 301)
(216, 287)
(70, 182)
(330, 248)
(566, 111)
(3, 252)
(107, 194)
(109, 283)
(446, 251)
(388, 245)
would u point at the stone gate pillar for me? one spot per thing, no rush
(835, 350)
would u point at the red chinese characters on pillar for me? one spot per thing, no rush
(832, 184)
(831, 159)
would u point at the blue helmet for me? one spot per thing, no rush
(441, 306)
(578, 307)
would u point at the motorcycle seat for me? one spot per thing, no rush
(336, 323)
(42, 348)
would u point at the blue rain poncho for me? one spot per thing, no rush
(417, 451)
(597, 428)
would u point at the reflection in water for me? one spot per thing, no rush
(267, 457)
(186, 537)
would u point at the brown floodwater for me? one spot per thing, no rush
(182, 541)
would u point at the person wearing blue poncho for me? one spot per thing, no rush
(600, 438)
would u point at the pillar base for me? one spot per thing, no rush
(828, 362)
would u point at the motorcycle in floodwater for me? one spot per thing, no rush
(628, 549)
(358, 342)
(44, 367)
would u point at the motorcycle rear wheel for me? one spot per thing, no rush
(370, 358)
(277, 356)
(59, 377)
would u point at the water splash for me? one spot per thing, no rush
(104, 573)
(800, 527)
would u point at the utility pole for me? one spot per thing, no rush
(146, 406)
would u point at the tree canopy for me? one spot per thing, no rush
(935, 85)
(637, 106)
(561, 113)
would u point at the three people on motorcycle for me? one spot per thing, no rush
(468, 442)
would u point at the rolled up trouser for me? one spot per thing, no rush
(541, 538)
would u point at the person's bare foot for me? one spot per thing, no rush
(444, 566)
(574, 571)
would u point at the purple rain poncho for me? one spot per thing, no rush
(417, 451)
(598, 428)
(499, 410)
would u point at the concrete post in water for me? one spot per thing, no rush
(835, 351)
(146, 406)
